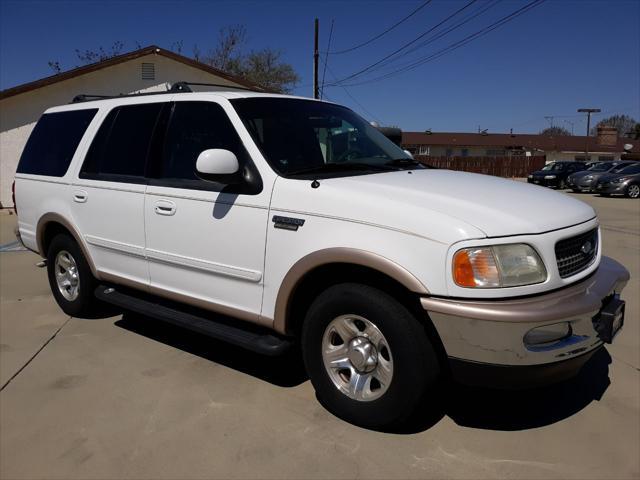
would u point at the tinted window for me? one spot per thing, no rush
(630, 169)
(122, 143)
(298, 135)
(193, 128)
(54, 141)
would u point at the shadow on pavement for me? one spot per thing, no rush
(488, 409)
(511, 410)
(284, 371)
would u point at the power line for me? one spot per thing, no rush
(471, 2)
(374, 117)
(438, 36)
(454, 46)
(324, 71)
(373, 39)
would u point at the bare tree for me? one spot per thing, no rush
(55, 66)
(555, 132)
(624, 123)
(264, 67)
(93, 56)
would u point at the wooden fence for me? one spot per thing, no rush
(509, 167)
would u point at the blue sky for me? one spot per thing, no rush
(560, 56)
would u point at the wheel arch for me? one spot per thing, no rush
(51, 224)
(320, 269)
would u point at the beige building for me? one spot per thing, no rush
(145, 70)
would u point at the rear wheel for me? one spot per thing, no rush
(368, 358)
(633, 191)
(70, 278)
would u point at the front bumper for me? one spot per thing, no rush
(491, 332)
(544, 182)
(611, 188)
(582, 184)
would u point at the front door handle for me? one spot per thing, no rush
(80, 196)
(165, 207)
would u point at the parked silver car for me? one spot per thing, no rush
(586, 180)
(625, 182)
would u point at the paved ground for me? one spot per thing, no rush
(127, 397)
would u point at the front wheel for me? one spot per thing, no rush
(368, 357)
(633, 191)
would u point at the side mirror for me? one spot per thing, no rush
(218, 165)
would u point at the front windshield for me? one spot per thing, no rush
(553, 166)
(297, 136)
(601, 167)
(630, 169)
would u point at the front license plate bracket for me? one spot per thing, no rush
(610, 319)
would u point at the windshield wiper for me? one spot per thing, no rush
(407, 162)
(337, 167)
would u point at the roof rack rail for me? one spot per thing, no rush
(185, 86)
(177, 87)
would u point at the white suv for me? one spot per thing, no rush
(295, 221)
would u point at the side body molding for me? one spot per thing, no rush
(343, 255)
(48, 218)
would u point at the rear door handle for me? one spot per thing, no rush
(80, 196)
(165, 207)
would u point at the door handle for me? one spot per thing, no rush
(80, 196)
(165, 207)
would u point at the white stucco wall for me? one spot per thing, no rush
(19, 113)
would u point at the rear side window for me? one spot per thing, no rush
(54, 141)
(195, 127)
(120, 149)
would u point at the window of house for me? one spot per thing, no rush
(423, 150)
(449, 152)
(605, 158)
(119, 150)
(54, 141)
(465, 152)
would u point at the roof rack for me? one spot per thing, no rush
(178, 87)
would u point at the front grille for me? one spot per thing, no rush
(576, 253)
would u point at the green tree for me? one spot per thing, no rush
(555, 132)
(624, 123)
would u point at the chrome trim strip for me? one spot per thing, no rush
(210, 267)
(120, 247)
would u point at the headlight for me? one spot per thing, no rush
(589, 177)
(549, 177)
(619, 180)
(530, 176)
(498, 266)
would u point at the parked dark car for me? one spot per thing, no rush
(586, 180)
(555, 174)
(625, 182)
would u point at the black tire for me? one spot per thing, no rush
(86, 305)
(632, 190)
(415, 363)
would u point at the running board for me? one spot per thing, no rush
(260, 342)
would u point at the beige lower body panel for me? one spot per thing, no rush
(493, 331)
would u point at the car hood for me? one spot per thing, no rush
(441, 204)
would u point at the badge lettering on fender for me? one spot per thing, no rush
(287, 223)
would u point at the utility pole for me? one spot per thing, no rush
(588, 111)
(316, 90)
(572, 124)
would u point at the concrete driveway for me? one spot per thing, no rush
(128, 397)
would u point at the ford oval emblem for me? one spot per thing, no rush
(586, 247)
